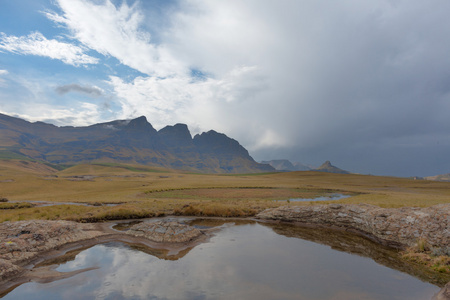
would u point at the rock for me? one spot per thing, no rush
(163, 231)
(24, 240)
(396, 227)
(444, 294)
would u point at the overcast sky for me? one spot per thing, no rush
(362, 83)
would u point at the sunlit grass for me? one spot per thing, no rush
(144, 191)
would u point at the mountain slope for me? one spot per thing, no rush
(328, 167)
(126, 141)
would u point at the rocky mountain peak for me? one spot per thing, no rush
(140, 125)
(326, 164)
(126, 141)
(328, 167)
(176, 135)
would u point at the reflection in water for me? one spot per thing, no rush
(247, 261)
(355, 244)
(322, 198)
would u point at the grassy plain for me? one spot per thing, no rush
(112, 191)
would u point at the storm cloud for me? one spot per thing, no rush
(364, 84)
(92, 91)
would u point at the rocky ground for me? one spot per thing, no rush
(23, 241)
(165, 232)
(396, 227)
(26, 243)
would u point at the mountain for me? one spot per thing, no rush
(329, 168)
(302, 167)
(126, 141)
(286, 165)
(442, 177)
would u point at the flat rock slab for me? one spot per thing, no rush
(22, 241)
(396, 227)
(165, 232)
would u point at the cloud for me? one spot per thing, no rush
(116, 31)
(340, 77)
(2, 81)
(201, 104)
(34, 99)
(92, 91)
(82, 114)
(359, 83)
(36, 44)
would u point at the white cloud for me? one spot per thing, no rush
(2, 81)
(82, 114)
(202, 104)
(116, 31)
(36, 44)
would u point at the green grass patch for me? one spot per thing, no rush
(7, 154)
(131, 168)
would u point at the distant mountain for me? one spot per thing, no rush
(329, 168)
(443, 177)
(286, 165)
(126, 141)
(302, 167)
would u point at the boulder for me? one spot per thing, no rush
(165, 232)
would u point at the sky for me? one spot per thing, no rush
(362, 83)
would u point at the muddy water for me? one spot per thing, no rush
(244, 261)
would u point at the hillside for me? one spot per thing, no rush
(329, 168)
(125, 141)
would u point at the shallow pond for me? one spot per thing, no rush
(322, 198)
(244, 261)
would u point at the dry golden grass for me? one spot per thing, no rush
(144, 191)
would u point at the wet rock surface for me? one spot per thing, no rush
(25, 243)
(165, 232)
(22, 241)
(395, 227)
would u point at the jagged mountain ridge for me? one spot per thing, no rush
(286, 166)
(127, 141)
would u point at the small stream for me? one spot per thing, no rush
(322, 198)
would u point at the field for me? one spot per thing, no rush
(111, 191)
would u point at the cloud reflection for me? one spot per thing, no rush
(240, 262)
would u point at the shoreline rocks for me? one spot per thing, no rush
(395, 227)
(23, 241)
(26, 243)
